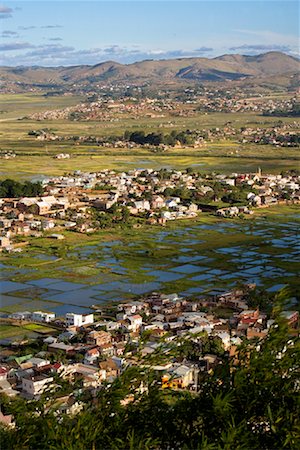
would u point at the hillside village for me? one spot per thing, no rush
(179, 339)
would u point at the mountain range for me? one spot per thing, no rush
(271, 67)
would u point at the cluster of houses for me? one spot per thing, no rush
(281, 135)
(233, 102)
(68, 200)
(93, 350)
(110, 110)
(193, 100)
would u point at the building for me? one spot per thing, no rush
(79, 320)
(4, 242)
(98, 338)
(91, 356)
(35, 385)
(135, 322)
(58, 347)
(292, 317)
(39, 316)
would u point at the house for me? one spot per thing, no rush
(179, 376)
(91, 356)
(79, 320)
(256, 332)
(292, 317)
(37, 362)
(36, 384)
(3, 373)
(66, 336)
(57, 347)
(107, 349)
(109, 370)
(42, 208)
(98, 338)
(26, 315)
(47, 224)
(249, 316)
(193, 207)
(50, 340)
(142, 205)
(157, 202)
(172, 202)
(225, 337)
(67, 405)
(6, 420)
(111, 325)
(119, 348)
(4, 242)
(39, 316)
(135, 322)
(88, 374)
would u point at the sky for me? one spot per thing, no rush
(70, 32)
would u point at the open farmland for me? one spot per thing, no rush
(35, 157)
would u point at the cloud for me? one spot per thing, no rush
(203, 49)
(5, 12)
(51, 26)
(30, 27)
(262, 48)
(8, 34)
(54, 54)
(50, 51)
(15, 46)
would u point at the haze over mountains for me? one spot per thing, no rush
(272, 67)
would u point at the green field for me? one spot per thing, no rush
(33, 167)
(14, 106)
(8, 330)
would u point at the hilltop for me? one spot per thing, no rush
(272, 67)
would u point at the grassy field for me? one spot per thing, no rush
(34, 167)
(18, 105)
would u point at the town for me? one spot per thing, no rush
(87, 202)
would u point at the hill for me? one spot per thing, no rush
(271, 65)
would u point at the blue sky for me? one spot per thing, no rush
(72, 32)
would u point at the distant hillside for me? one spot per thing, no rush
(272, 65)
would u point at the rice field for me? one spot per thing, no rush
(195, 258)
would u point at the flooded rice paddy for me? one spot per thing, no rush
(198, 259)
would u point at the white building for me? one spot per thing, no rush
(135, 322)
(39, 316)
(78, 320)
(36, 385)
